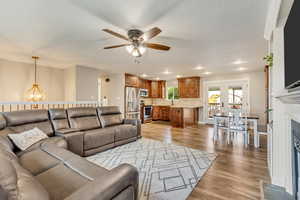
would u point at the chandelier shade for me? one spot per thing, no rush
(35, 93)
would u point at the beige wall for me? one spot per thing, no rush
(256, 93)
(16, 78)
(87, 83)
(70, 84)
(114, 90)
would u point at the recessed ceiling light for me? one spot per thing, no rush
(167, 72)
(178, 76)
(239, 62)
(241, 68)
(157, 78)
(207, 73)
(199, 67)
(144, 75)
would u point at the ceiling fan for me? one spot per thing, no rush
(138, 41)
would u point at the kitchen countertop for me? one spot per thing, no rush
(177, 106)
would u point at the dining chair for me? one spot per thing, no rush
(238, 123)
(221, 124)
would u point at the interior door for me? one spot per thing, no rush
(220, 96)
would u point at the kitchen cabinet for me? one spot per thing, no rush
(189, 87)
(161, 113)
(176, 117)
(158, 89)
(148, 86)
(155, 113)
(183, 116)
(165, 113)
(131, 80)
(142, 83)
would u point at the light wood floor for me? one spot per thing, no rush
(236, 172)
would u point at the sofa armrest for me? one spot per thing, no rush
(110, 185)
(74, 139)
(134, 122)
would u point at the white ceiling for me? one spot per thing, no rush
(211, 33)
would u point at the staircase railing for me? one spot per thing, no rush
(16, 106)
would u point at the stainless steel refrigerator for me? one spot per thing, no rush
(132, 103)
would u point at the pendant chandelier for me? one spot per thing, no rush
(35, 93)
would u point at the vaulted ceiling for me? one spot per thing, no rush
(210, 33)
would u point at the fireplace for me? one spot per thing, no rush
(296, 158)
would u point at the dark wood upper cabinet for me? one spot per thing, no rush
(142, 83)
(132, 80)
(158, 89)
(189, 87)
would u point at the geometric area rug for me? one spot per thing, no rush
(166, 171)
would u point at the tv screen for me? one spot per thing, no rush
(292, 47)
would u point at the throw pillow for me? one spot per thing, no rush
(27, 138)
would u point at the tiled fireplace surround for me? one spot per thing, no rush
(284, 154)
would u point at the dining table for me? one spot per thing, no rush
(251, 118)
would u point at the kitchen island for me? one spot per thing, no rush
(184, 116)
(179, 116)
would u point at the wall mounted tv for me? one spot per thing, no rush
(292, 48)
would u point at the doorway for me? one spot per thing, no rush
(220, 96)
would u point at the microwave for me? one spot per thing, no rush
(143, 93)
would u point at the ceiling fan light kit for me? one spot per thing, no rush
(136, 51)
(138, 41)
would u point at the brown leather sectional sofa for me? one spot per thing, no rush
(50, 169)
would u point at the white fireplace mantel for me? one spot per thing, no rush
(289, 98)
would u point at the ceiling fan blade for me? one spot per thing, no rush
(116, 46)
(115, 34)
(150, 34)
(157, 46)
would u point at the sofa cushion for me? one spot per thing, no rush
(109, 116)
(111, 120)
(3, 194)
(16, 118)
(60, 181)
(45, 126)
(60, 124)
(7, 153)
(57, 141)
(27, 138)
(81, 112)
(58, 118)
(125, 131)
(108, 110)
(37, 161)
(2, 122)
(75, 162)
(6, 143)
(98, 137)
(70, 174)
(83, 118)
(85, 123)
(19, 183)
